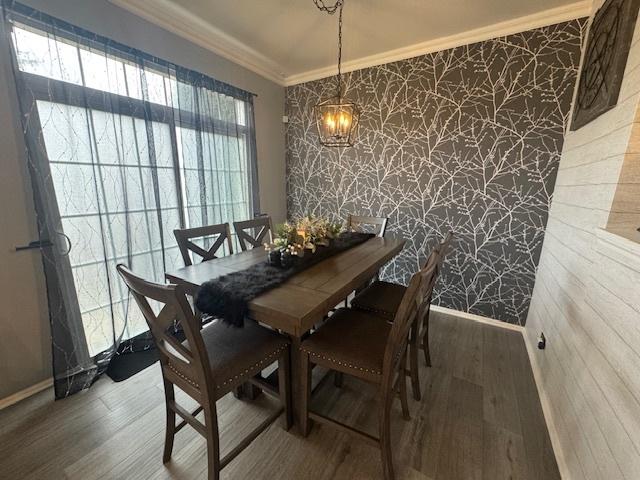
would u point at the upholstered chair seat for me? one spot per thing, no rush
(350, 342)
(380, 298)
(236, 354)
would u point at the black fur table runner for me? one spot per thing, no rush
(228, 297)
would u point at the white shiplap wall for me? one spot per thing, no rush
(587, 302)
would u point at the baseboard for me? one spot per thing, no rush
(26, 393)
(477, 318)
(546, 410)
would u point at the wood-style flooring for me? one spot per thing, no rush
(480, 418)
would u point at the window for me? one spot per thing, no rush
(134, 150)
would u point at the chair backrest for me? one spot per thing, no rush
(186, 235)
(415, 302)
(185, 366)
(443, 247)
(358, 223)
(253, 232)
(441, 250)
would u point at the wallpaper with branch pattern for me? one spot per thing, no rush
(467, 139)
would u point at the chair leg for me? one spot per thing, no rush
(250, 391)
(338, 379)
(305, 391)
(213, 445)
(170, 431)
(284, 387)
(237, 392)
(402, 387)
(413, 359)
(385, 438)
(425, 341)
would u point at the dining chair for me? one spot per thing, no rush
(365, 346)
(383, 299)
(357, 223)
(253, 231)
(184, 237)
(209, 364)
(360, 223)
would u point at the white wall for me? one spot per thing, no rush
(587, 302)
(24, 330)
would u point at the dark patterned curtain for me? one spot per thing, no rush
(123, 148)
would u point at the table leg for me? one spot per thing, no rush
(296, 391)
(248, 391)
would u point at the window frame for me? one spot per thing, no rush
(56, 91)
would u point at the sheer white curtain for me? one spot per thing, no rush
(123, 149)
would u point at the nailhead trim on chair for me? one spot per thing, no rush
(187, 379)
(342, 364)
(264, 361)
(386, 316)
(376, 311)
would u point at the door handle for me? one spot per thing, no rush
(38, 244)
(35, 244)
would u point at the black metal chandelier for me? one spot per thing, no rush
(337, 117)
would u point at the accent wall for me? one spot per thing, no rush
(467, 139)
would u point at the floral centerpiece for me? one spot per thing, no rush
(307, 233)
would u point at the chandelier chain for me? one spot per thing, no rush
(340, 51)
(331, 9)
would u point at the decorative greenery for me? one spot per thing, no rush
(307, 233)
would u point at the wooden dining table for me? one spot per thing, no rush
(304, 300)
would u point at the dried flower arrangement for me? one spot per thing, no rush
(307, 233)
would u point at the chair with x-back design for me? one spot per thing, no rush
(259, 227)
(210, 363)
(186, 245)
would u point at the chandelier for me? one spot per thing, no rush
(336, 117)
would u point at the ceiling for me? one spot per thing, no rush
(291, 41)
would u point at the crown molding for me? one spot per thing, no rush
(185, 24)
(509, 27)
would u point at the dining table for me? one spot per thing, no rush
(299, 304)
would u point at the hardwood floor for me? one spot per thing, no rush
(480, 418)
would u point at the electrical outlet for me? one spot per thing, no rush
(542, 341)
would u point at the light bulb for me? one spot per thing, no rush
(327, 118)
(345, 120)
(330, 121)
